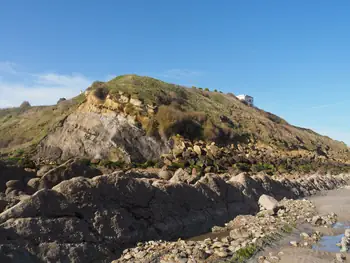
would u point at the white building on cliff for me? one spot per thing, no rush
(246, 98)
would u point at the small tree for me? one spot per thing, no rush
(206, 89)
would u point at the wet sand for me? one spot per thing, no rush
(337, 201)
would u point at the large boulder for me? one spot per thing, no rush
(268, 202)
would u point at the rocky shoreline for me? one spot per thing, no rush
(95, 219)
(240, 238)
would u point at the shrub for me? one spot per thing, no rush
(244, 167)
(26, 163)
(175, 166)
(215, 90)
(111, 165)
(18, 152)
(306, 168)
(130, 109)
(206, 89)
(148, 163)
(172, 121)
(269, 168)
(25, 104)
(101, 93)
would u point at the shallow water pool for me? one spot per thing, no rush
(328, 243)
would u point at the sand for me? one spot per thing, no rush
(337, 201)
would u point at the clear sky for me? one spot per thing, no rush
(292, 56)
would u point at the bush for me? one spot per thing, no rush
(305, 168)
(172, 121)
(18, 152)
(206, 89)
(101, 93)
(174, 166)
(25, 104)
(244, 167)
(268, 168)
(149, 163)
(215, 90)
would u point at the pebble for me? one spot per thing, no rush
(294, 243)
(340, 257)
(221, 254)
(243, 231)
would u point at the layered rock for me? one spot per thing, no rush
(92, 220)
(100, 129)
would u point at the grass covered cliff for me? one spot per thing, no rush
(137, 119)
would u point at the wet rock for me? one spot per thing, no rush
(347, 233)
(340, 257)
(294, 243)
(316, 220)
(304, 235)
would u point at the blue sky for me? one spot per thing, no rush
(292, 56)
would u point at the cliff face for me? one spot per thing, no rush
(135, 119)
(93, 220)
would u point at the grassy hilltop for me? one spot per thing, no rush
(163, 110)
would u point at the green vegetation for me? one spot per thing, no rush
(149, 163)
(287, 228)
(305, 168)
(266, 167)
(243, 254)
(244, 167)
(193, 113)
(110, 164)
(24, 127)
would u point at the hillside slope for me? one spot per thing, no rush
(135, 119)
